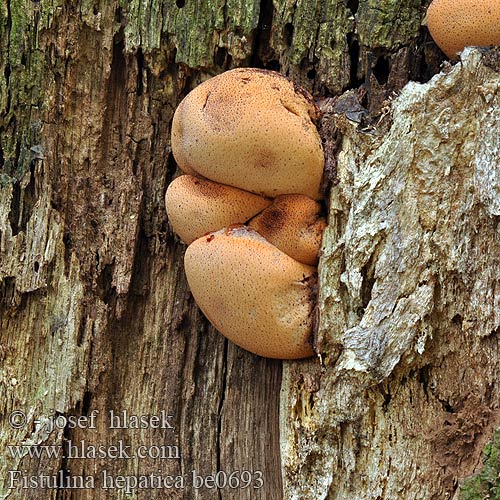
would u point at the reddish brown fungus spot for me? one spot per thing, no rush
(273, 218)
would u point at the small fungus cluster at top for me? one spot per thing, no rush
(456, 24)
(247, 207)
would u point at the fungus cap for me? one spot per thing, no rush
(198, 206)
(252, 129)
(294, 225)
(456, 24)
(255, 295)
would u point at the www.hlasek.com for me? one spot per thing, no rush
(128, 484)
(84, 450)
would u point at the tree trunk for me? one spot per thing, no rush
(95, 313)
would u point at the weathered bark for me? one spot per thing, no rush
(95, 313)
(407, 395)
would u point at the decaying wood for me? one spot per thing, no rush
(95, 313)
(405, 393)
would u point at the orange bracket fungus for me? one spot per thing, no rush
(254, 294)
(456, 24)
(248, 142)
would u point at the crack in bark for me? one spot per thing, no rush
(220, 414)
(263, 32)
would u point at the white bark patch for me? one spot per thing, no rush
(486, 161)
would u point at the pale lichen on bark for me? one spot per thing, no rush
(409, 298)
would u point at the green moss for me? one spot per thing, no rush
(3, 54)
(5, 180)
(388, 23)
(143, 24)
(47, 11)
(21, 91)
(486, 485)
(313, 36)
(244, 15)
(195, 28)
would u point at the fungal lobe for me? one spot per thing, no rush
(198, 206)
(456, 24)
(255, 295)
(253, 130)
(294, 225)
